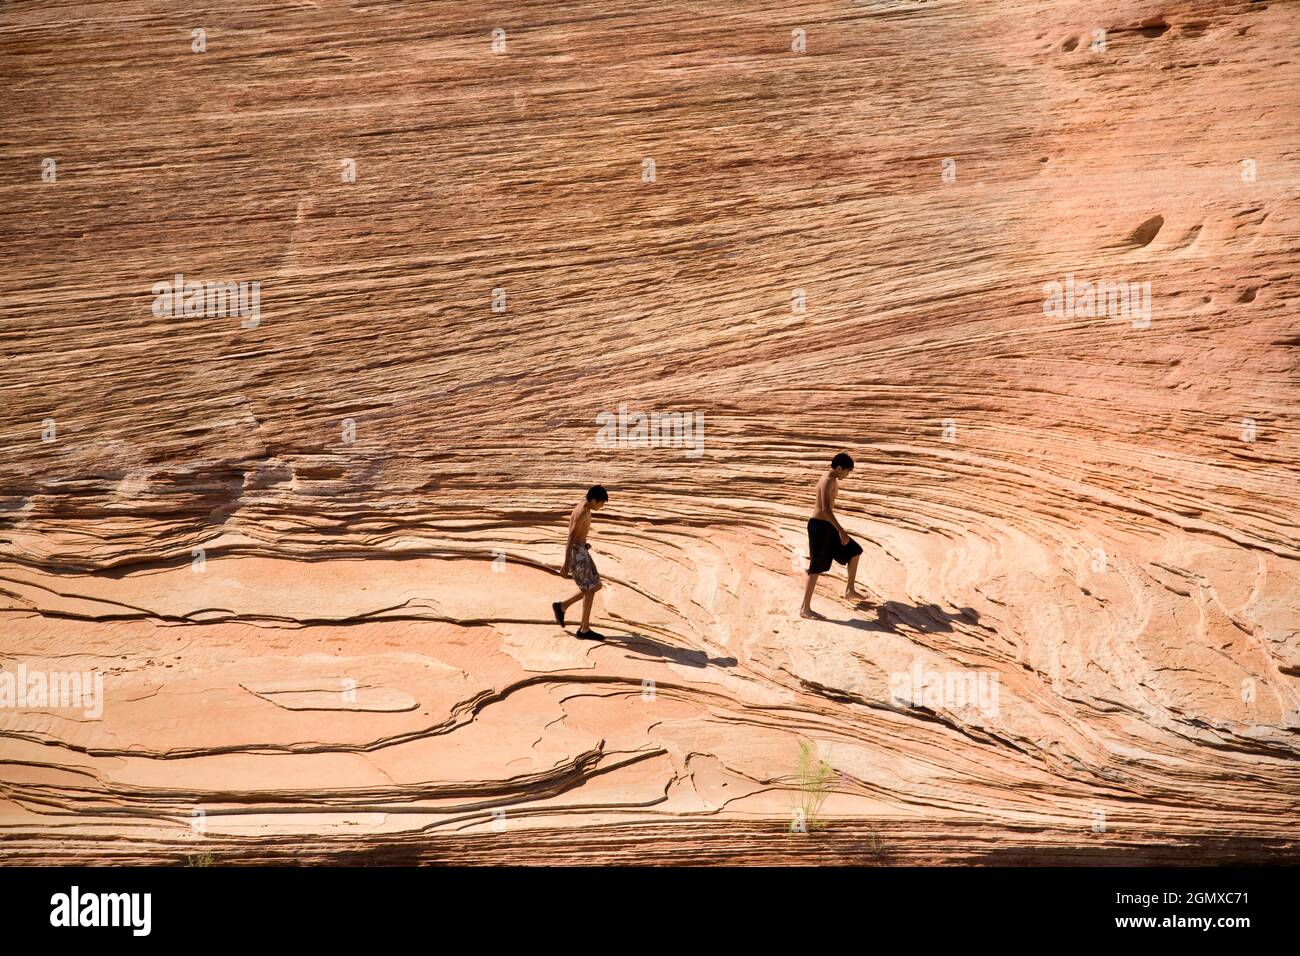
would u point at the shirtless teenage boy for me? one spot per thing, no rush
(827, 540)
(578, 562)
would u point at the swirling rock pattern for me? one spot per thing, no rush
(312, 556)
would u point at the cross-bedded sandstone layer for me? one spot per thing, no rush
(311, 552)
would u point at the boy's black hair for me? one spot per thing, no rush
(597, 493)
(842, 460)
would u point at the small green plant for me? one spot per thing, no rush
(875, 846)
(201, 859)
(813, 778)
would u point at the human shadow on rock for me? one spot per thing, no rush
(926, 618)
(649, 647)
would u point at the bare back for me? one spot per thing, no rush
(579, 523)
(827, 489)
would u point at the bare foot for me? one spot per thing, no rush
(854, 593)
(811, 615)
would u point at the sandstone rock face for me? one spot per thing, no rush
(309, 548)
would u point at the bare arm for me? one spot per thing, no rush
(568, 545)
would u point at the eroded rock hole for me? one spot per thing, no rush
(1143, 234)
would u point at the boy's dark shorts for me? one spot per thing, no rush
(824, 547)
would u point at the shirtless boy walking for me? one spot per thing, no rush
(578, 562)
(827, 540)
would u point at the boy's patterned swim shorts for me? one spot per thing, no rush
(583, 568)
